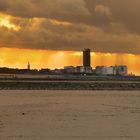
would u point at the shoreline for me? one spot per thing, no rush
(66, 85)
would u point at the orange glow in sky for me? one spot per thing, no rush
(18, 58)
(5, 22)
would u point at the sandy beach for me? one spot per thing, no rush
(69, 115)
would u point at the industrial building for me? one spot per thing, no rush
(86, 58)
(112, 70)
(120, 70)
(69, 69)
(103, 70)
(78, 69)
(82, 69)
(85, 69)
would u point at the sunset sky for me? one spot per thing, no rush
(52, 33)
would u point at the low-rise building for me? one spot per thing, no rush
(112, 70)
(122, 70)
(78, 69)
(103, 70)
(69, 69)
(82, 69)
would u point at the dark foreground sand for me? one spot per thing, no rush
(69, 115)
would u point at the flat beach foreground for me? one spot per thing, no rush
(69, 115)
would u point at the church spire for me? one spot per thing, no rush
(28, 66)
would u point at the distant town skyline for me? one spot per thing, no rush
(58, 59)
(84, 69)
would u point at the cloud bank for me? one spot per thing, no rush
(104, 26)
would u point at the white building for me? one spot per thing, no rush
(82, 69)
(103, 70)
(112, 70)
(78, 69)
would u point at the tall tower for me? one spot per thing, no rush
(28, 66)
(86, 58)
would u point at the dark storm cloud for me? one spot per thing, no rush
(126, 12)
(60, 9)
(102, 25)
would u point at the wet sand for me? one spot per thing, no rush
(69, 115)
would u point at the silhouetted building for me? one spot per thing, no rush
(44, 71)
(86, 58)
